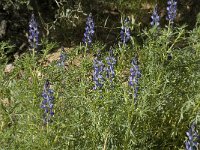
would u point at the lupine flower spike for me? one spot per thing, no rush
(89, 30)
(134, 77)
(171, 10)
(62, 59)
(33, 37)
(193, 138)
(111, 61)
(125, 32)
(47, 103)
(155, 19)
(98, 73)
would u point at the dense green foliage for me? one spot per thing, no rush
(168, 99)
(168, 96)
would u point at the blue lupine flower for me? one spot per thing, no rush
(47, 103)
(33, 37)
(62, 59)
(155, 17)
(171, 10)
(193, 138)
(134, 77)
(98, 73)
(125, 32)
(89, 30)
(111, 61)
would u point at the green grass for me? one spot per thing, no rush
(107, 119)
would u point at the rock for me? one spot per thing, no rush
(9, 68)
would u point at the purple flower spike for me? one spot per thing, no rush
(98, 73)
(134, 77)
(111, 61)
(47, 103)
(171, 10)
(125, 32)
(155, 17)
(33, 37)
(193, 138)
(61, 61)
(89, 30)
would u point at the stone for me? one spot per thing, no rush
(9, 68)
